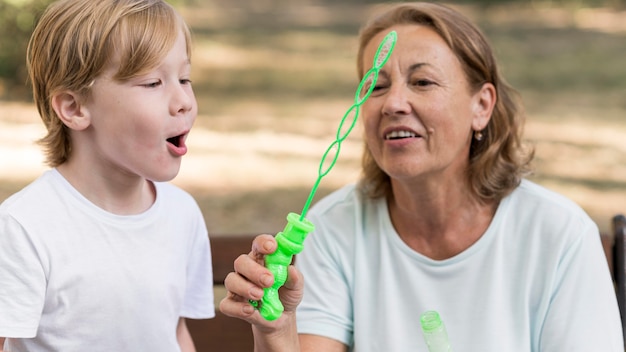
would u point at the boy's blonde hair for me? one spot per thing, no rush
(75, 40)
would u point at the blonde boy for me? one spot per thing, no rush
(100, 253)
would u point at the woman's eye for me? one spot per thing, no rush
(379, 87)
(422, 82)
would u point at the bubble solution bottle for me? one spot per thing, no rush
(434, 332)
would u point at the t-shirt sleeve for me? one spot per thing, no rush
(22, 281)
(199, 301)
(583, 314)
(326, 308)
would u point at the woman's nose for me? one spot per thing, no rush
(396, 101)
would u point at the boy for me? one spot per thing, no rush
(99, 253)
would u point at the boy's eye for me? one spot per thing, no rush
(185, 81)
(153, 84)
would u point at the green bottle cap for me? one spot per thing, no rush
(430, 321)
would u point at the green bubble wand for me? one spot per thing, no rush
(290, 241)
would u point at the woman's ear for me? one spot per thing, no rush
(483, 103)
(70, 110)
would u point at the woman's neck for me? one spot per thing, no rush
(439, 222)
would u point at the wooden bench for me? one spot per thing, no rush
(618, 268)
(225, 334)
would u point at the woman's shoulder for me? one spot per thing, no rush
(532, 193)
(534, 203)
(347, 198)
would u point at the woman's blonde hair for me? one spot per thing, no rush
(75, 40)
(498, 161)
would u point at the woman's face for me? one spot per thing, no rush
(419, 119)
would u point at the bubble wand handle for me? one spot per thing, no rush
(290, 241)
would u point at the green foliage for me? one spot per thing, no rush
(17, 18)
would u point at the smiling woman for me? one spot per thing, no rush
(442, 205)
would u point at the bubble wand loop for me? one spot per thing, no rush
(290, 241)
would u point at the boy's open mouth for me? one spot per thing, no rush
(175, 140)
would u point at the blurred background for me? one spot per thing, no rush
(274, 77)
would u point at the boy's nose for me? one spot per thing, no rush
(182, 101)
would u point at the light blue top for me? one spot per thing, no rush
(537, 280)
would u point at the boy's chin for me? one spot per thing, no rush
(165, 175)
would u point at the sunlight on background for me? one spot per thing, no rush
(273, 84)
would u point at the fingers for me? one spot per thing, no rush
(246, 283)
(236, 306)
(251, 267)
(249, 278)
(240, 288)
(292, 290)
(262, 246)
(295, 280)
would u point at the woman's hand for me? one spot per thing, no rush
(247, 282)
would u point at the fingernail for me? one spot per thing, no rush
(256, 293)
(267, 280)
(248, 309)
(268, 246)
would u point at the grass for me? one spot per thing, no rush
(273, 83)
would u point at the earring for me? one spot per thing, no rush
(478, 135)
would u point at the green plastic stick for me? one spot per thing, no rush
(290, 241)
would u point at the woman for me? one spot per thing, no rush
(442, 219)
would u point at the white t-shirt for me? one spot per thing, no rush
(537, 280)
(74, 277)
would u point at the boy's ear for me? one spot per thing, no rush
(70, 110)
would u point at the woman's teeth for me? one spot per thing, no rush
(400, 134)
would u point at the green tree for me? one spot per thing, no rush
(17, 18)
